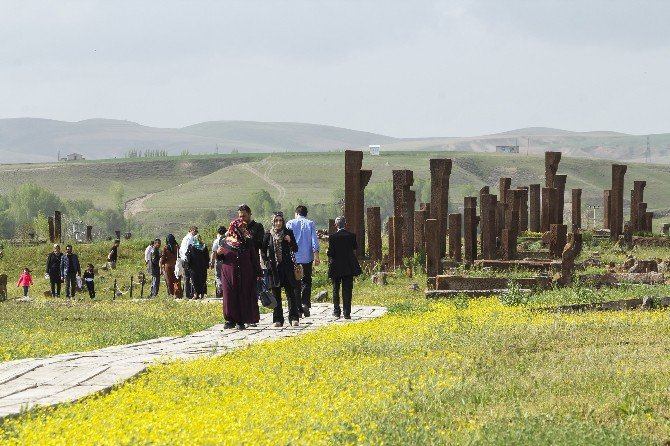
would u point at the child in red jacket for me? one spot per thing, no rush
(25, 281)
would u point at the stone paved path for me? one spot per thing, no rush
(25, 383)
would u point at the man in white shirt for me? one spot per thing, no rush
(147, 255)
(185, 243)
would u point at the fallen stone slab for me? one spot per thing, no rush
(615, 305)
(453, 282)
(660, 242)
(439, 294)
(510, 265)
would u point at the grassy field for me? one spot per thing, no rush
(462, 371)
(184, 187)
(427, 373)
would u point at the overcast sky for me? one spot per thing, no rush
(405, 68)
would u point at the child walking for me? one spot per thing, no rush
(25, 281)
(89, 280)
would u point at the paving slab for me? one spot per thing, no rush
(26, 383)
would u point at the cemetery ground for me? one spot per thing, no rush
(452, 371)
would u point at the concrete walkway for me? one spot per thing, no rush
(25, 383)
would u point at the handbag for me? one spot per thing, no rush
(266, 296)
(298, 271)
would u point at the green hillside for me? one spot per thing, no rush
(177, 191)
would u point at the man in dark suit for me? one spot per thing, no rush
(342, 266)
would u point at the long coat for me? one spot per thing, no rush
(282, 274)
(198, 261)
(240, 269)
(343, 261)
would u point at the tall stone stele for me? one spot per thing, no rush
(616, 201)
(355, 180)
(374, 223)
(440, 172)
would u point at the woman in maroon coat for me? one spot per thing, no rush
(240, 269)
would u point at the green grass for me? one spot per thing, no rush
(45, 328)
(49, 326)
(186, 186)
(427, 373)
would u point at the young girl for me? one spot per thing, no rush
(88, 278)
(25, 281)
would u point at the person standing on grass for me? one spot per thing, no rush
(279, 245)
(147, 256)
(25, 281)
(342, 266)
(155, 268)
(307, 255)
(53, 270)
(89, 280)
(215, 262)
(69, 271)
(240, 270)
(168, 262)
(185, 243)
(113, 254)
(197, 258)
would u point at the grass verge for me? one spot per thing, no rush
(427, 373)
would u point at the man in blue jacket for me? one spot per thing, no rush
(69, 270)
(307, 255)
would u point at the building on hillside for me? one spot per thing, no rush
(507, 149)
(374, 149)
(73, 157)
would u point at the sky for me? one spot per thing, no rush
(400, 68)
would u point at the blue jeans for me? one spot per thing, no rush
(155, 285)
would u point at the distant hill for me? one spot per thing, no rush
(39, 140)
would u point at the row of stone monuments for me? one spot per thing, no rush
(501, 218)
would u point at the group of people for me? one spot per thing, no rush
(65, 268)
(246, 257)
(288, 252)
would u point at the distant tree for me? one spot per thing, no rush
(185, 153)
(262, 205)
(41, 225)
(29, 199)
(116, 191)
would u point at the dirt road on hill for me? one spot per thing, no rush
(136, 205)
(266, 177)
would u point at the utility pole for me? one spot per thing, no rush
(594, 207)
(527, 145)
(647, 154)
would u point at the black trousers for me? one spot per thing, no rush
(188, 286)
(54, 280)
(347, 283)
(91, 289)
(306, 285)
(25, 290)
(70, 285)
(293, 305)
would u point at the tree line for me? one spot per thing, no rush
(25, 210)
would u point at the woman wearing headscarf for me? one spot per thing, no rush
(168, 262)
(197, 257)
(240, 269)
(278, 246)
